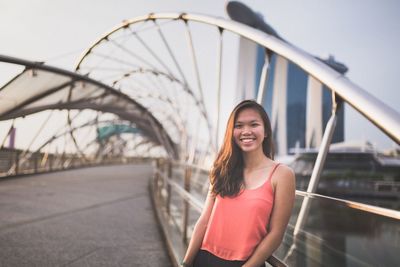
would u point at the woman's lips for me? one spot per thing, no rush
(247, 140)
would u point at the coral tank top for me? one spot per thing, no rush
(238, 224)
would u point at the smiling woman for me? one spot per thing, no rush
(251, 129)
(250, 198)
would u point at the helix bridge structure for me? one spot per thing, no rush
(156, 89)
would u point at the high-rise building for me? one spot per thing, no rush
(299, 106)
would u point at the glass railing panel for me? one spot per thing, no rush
(340, 233)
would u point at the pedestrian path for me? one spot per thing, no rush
(99, 216)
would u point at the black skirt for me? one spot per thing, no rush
(207, 259)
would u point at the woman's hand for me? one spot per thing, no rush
(184, 264)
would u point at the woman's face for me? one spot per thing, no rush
(249, 130)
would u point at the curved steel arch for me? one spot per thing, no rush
(139, 114)
(84, 125)
(172, 79)
(381, 115)
(177, 120)
(184, 86)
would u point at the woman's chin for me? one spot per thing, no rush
(248, 148)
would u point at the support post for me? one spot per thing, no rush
(169, 176)
(185, 218)
(319, 163)
(35, 162)
(263, 79)
(17, 162)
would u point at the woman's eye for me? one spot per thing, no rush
(238, 126)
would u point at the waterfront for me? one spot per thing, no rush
(362, 175)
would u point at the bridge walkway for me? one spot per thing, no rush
(99, 216)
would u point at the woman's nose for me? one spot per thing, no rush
(246, 129)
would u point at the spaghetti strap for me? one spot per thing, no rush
(269, 181)
(273, 170)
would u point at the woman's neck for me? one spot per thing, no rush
(255, 160)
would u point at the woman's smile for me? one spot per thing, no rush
(247, 140)
(249, 131)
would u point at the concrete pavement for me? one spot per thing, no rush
(100, 216)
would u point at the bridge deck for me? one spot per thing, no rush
(88, 217)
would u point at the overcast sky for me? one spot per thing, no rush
(363, 34)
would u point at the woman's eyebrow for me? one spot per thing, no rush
(255, 120)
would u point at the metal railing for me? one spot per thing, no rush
(171, 190)
(179, 190)
(15, 162)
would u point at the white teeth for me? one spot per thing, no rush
(246, 140)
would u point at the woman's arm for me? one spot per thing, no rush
(199, 230)
(285, 187)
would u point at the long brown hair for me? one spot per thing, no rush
(226, 176)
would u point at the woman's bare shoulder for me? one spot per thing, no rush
(284, 174)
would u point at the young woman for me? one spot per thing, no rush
(250, 199)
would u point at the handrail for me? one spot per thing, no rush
(41, 162)
(356, 205)
(185, 194)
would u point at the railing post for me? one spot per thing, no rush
(17, 162)
(185, 219)
(163, 179)
(50, 162)
(11, 158)
(62, 161)
(169, 176)
(157, 178)
(35, 162)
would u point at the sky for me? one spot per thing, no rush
(362, 34)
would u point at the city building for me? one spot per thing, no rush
(298, 105)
